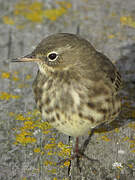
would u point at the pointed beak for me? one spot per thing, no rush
(27, 58)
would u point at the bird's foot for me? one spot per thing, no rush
(77, 156)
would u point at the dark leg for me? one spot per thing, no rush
(69, 139)
(86, 142)
(75, 155)
(78, 153)
(77, 145)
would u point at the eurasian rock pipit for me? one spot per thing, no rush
(76, 88)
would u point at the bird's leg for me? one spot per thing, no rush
(84, 146)
(86, 142)
(77, 145)
(78, 153)
(69, 139)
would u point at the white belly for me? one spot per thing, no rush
(71, 126)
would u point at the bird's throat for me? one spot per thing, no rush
(45, 69)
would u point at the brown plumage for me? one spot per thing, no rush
(76, 87)
(80, 87)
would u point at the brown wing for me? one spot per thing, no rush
(110, 70)
(116, 80)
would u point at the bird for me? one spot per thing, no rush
(77, 87)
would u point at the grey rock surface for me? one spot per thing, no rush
(30, 148)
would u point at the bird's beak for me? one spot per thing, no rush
(27, 58)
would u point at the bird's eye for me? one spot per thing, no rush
(52, 56)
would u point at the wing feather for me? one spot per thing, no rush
(111, 72)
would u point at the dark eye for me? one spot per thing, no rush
(52, 56)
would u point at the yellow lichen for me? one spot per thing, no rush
(28, 118)
(130, 165)
(5, 75)
(61, 145)
(49, 146)
(52, 139)
(67, 163)
(132, 141)
(64, 153)
(34, 16)
(42, 153)
(8, 20)
(55, 178)
(20, 117)
(116, 130)
(125, 138)
(28, 125)
(53, 14)
(28, 76)
(111, 36)
(24, 178)
(105, 138)
(15, 78)
(25, 138)
(46, 163)
(22, 85)
(65, 150)
(46, 132)
(7, 96)
(42, 125)
(50, 153)
(127, 20)
(35, 12)
(37, 150)
(133, 151)
(132, 146)
(29, 112)
(52, 171)
(29, 10)
(119, 167)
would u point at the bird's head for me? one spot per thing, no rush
(60, 51)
